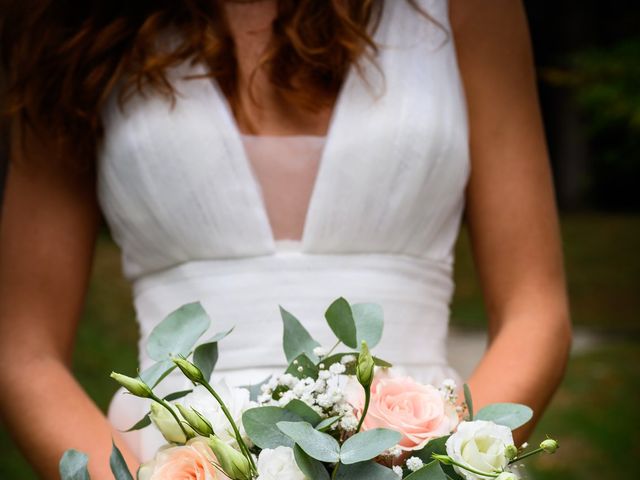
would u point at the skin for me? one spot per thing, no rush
(50, 219)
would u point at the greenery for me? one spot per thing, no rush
(604, 82)
(593, 415)
(603, 270)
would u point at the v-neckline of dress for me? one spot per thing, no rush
(235, 135)
(314, 207)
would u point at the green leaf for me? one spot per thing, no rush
(140, 424)
(381, 363)
(153, 375)
(340, 318)
(260, 423)
(178, 332)
(318, 445)
(304, 411)
(367, 445)
(468, 400)
(118, 465)
(309, 368)
(176, 395)
(311, 467)
(205, 357)
(365, 471)
(437, 445)
(220, 336)
(431, 471)
(512, 415)
(325, 424)
(369, 323)
(73, 466)
(256, 389)
(296, 338)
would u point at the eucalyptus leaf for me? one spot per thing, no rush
(205, 357)
(177, 395)
(303, 367)
(153, 375)
(311, 467)
(369, 323)
(296, 338)
(381, 363)
(73, 465)
(178, 332)
(260, 423)
(256, 389)
(118, 465)
(365, 471)
(367, 445)
(437, 445)
(304, 411)
(512, 415)
(340, 318)
(318, 445)
(326, 424)
(431, 471)
(140, 424)
(219, 336)
(468, 400)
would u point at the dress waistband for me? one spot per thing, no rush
(413, 292)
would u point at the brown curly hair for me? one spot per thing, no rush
(64, 58)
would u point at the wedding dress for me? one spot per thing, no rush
(182, 192)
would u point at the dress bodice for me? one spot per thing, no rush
(176, 186)
(184, 203)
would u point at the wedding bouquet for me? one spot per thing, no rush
(338, 413)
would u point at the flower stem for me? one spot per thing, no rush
(471, 469)
(333, 348)
(175, 416)
(241, 444)
(335, 471)
(528, 454)
(367, 400)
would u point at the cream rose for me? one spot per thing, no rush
(278, 464)
(189, 462)
(480, 445)
(419, 412)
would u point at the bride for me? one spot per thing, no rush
(254, 153)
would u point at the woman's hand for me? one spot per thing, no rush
(47, 234)
(511, 210)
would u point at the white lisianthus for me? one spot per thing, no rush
(278, 464)
(166, 423)
(237, 401)
(480, 445)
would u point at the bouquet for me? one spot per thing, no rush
(337, 413)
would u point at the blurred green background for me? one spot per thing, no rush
(589, 74)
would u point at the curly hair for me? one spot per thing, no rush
(64, 58)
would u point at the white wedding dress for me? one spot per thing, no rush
(194, 207)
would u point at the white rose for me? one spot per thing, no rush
(480, 445)
(278, 464)
(237, 401)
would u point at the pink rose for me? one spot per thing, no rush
(419, 412)
(190, 461)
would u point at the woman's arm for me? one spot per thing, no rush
(511, 210)
(47, 235)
